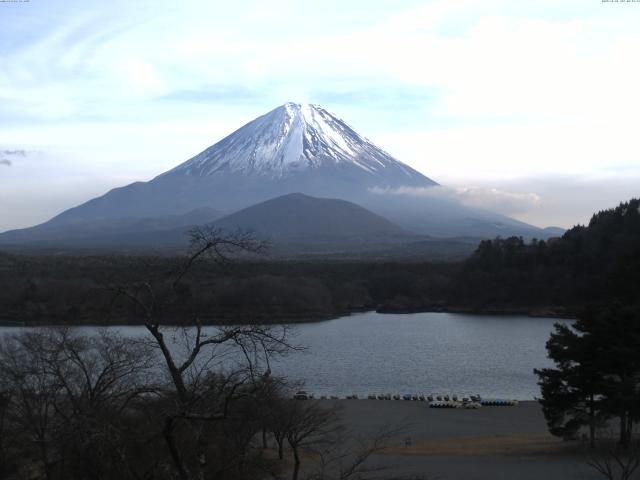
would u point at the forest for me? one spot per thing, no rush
(587, 266)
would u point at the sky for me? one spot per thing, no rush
(529, 108)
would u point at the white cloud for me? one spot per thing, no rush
(569, 199)
(516, 149)
(508, 203)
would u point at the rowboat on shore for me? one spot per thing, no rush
(498, 402)
(302, 395)
(444, 404)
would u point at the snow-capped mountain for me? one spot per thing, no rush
(292, 149)
(292, 139)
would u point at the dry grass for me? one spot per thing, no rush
(491, 445)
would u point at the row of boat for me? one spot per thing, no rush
(468, 403)
(423, 397)
(435, 401)
(451, 404)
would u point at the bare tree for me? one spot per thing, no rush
(65, 394)
(306, 424)
(344, 456)
(191, 352)
(101, 377)
(7, 456)
(615, 462)
(31, 394)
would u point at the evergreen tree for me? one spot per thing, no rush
(570, 397)
(597, 374)
(617, 330)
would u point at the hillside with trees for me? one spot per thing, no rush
(588, 265)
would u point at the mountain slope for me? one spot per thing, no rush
(110, 231)
(303, 217)
(293, 148)
(293, 139)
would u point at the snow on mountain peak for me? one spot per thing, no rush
(291, 138)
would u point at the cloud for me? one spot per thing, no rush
(214, 94)
(18, 153)
(568, 200)
(507, 203)
(10, 153)
(378, 95)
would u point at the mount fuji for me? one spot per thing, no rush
(297, 141)
(291, 149)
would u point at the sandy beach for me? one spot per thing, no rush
(457, 444)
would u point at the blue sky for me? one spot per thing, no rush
(527, 107)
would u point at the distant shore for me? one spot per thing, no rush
(546, 312)
(535, 312)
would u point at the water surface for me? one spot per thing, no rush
(423, 352)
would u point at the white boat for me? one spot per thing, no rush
(302, 395)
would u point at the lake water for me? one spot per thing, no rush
(439, 353)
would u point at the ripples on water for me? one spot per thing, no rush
(422, 352)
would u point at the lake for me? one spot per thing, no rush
(439, 353)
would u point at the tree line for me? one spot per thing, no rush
(75, 289)
(587, 265)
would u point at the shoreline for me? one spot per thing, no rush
(548, 312)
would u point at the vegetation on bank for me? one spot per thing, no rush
(78, 289)
(587, 266)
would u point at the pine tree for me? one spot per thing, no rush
(617, 330)
(570, 398)
(597, 374)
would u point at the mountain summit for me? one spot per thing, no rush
(293, 139)
(293, 148)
